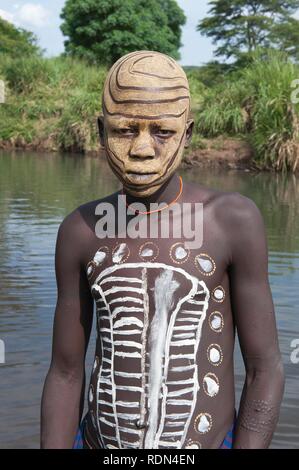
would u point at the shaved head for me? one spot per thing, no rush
(146, 105)
(150, 82)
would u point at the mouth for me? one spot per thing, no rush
(140, 177)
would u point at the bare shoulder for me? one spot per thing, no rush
(81, 220)
(236, 218)
(233, 205)
(243, 228)
(237, 208)
(240, 219)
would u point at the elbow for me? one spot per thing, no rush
(271, 373)
(280, 374)
(277, 375)
(66, 373)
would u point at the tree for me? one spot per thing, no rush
(242, 26)
(103, 30)
(286, 35)
(16, 41)
(175, 18)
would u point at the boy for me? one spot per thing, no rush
(166, 310)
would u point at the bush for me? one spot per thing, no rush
(275, 129)
(256, 103)
(17, 42)
(221, 111)
(56, 99)
(26, 73)
(197, 88)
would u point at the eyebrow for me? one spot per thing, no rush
(165, 123)
(143, 117)
(132, 123)
(123, 123)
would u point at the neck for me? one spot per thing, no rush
(164, 195)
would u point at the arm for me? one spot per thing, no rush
(254, 317)
(63, 394)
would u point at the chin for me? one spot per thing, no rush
(142, 192)
(134, 186)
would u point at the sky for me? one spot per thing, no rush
(42, 17)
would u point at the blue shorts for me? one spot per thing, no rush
(78, 443)
(229, 438)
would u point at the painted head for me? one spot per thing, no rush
(145, 124)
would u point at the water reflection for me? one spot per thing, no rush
(36, 192)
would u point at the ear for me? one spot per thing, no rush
(189, 132)
(101, 129)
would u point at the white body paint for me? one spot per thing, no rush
(211, 385)
(163, 346)
(180, 253)
(214, 355)
(119, 253)
(205, 264)
(219, 294)
(192, 446)
(99, 257)
(203, 423)
(147, 252)
(216, 322)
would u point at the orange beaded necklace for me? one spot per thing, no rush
(137, 212)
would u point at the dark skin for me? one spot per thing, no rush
(234, 236)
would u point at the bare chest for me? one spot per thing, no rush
(163, 320)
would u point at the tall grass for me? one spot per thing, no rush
(53, 104)
(275, 125)
(50, 102)
(256, 103)
(197, 88)
(222, 110)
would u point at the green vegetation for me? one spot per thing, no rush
(16, 41)
(102, 31)
(240, 27)
(255, 103)
(50, 103)
(53, 104)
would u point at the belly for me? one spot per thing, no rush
(145, 383)
(131, 410)
(145, 379)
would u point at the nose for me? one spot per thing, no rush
(143, 147)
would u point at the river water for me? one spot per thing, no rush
(36, 192)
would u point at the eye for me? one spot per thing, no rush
(164, 133)
(125, 131)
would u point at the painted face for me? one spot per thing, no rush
(146, 106)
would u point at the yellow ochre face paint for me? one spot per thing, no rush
(146, 105)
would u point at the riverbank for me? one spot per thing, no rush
(225, 153)
(248, 119)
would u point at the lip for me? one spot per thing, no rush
(135, 177)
